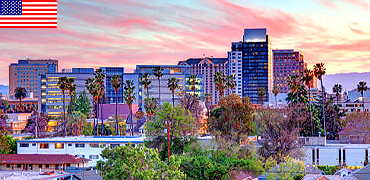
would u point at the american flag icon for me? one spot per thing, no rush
(28, 13)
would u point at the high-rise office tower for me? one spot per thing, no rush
(26, 74)
(235, 58)
(287, 62)
(110, 93)
(257, 66)
(208, 67)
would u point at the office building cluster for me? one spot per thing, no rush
(252, 62)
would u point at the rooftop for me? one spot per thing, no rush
(89, 139)
(40, 159)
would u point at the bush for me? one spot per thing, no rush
(329, 170)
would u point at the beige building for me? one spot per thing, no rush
(208, 66)
(26, 74)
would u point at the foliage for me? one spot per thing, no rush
(233, 119)
(42, 122)
(218, 164)
(333, 116)
(261, 92)
(329, 170)
(280, 129)
(298, 93)
(76, 121)
(362, 87)
(276, 91)
(116, 84)
(72, 90)
(319, 71)
(20, 93)
(150, 106)
(145, 81)
(8, 144)
(107, 130)
(127, 162)
(173, 84)
(287, 170)
(220, 80)
(337, 89)
(82, 104)
(180, 122)
(129, 97)
(87, 130)
(357, 123)
(178, 145)
(230, 82)
(158, 72)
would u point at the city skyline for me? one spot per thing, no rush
(127, 33)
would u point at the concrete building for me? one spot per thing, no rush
(17, 122)
(287, 62)
(235, 58)
(80, 146)
(110, 94)
(257, 63)
(26, 74)
(29, 104)
(208, 66)
(50, 101)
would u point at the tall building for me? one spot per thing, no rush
(208, 68)
(235, 58)
(287, 62)
(110, 94)
(50, 101)
(257, 66)
(26, 74)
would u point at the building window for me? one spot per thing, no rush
(23, 145)
(44, 146)
(59, 146)
(80, 145)
(94, 157)
(94, 145)
(47, 165)
(69, 144)
(19, 165)
(40, 166)
(113, 145)
(34, 144)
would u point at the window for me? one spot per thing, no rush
(94, 157)
(69, 144)
(79, 145)
(34, 144)
(40, 166)
(23, 145)
(8, 166)
(47, 165)
(94, 145)
(44, 146)
(18, 165)
(59, 146)
(113, 145)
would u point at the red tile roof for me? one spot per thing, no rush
(40, 159)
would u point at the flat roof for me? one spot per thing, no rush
(88, 139)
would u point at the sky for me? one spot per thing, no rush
(98, 33)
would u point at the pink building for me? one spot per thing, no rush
(109, 111)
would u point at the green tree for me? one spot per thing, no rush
(82, 104)
(150, 106)
(233, 120)
(276, 91)
(99, 77)
(87, 129)
(63, 86)
(116, 84)
(8, 144)
(145, 81)
(261, 92)
(230, 82)
(319, 71)
(36, 119)
(362, 87)
(288, 169)
(307, 78)
(192, 81)
(158, 72)
(337, 89)
(127, 162)
(76, 122)
(129, 97)
(173, 84)
(220, 81)
(20, 93)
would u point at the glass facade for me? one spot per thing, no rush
(110, 94)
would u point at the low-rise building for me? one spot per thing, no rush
(81, 146)
(41, 162)
(17, 122)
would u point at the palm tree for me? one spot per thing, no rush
(173, 84)
(20, 93)
(337, 89)
(76, 121)
(151, 107)
(63, 86)
(230, 82)
(276, 91)
(220, 82)
(71, 89)
(116, 84)
(261, 93)
(192, 81)
(307, 77)
(145, 81)
(207, 100)
(320, 71)
(99, 80)
(129, 97)
(158, 72)
(361, 87)
(93, 89)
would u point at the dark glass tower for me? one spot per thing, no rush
(257, 63)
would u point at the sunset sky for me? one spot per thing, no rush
(92, 33)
